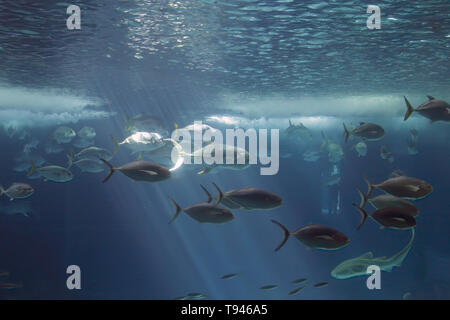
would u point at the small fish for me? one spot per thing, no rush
(295, 291)
(401, 186)
(229, 276)
(52, 173)
(298, 281)
(248, 199)
(94, 153)
(315, 236)
(298, 131)
(204, 212)
(366, 131)
(269, 287)
(17, 191)
(87, 133)
(361, 149)
(140, 170)
(433, 109)
(63, 134)
(321, 284)
(196, 295)
(392, 218)
(385, 154)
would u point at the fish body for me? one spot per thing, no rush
(403, 187)
(388, 200)
(249, 199)
(87, 133)
(94, 153)
(142, 142)
(298, 281)
(233, 158)
(366, 131)
(433, 109)
(390, 217)
(315, 236)
(361, 149)
(90, 166)
(298, 131)
(269, 287)
(296, 291)
(64, 134)
(321, 284)
(140, 170)
(52, 173)
(204, 212)
(357, 267)
(17, 191)
(229, 276)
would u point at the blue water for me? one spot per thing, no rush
(259, 63)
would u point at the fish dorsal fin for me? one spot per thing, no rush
(290, 123)
(367, 255)
(430, 98)
(396, 173)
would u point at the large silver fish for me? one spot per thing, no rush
(433, 109)
(17, 191)
(366, 131)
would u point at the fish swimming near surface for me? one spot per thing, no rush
(334, 150)
(321, 284)
(298, 281)
(204, 212)
(229, 276)
(298, 131)
(145, 123)
(269, 287)
(296, 291)
(140, 142)
(140, 170)
(357, 267)
(387, 200)
(366, 131)
(17, 191)
(51, 173)
(401, 186)
(315, 236)
(390, 217)
(433, 109)
(247, 198)
(87, 133)
(63, 134)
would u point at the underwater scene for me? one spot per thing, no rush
(224, 150)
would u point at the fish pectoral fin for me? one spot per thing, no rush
(152, 173)
(413, 188)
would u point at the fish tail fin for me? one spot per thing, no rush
(32, 169)
(177, 210)
(290, 122)
(346, 132)
(116, 145)
(210, 198)
(370, 186)
(286, 234)
(219, 192)
(409, 109)
(364, 215)
(363, 198)
(111, 170)
(175, 125)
